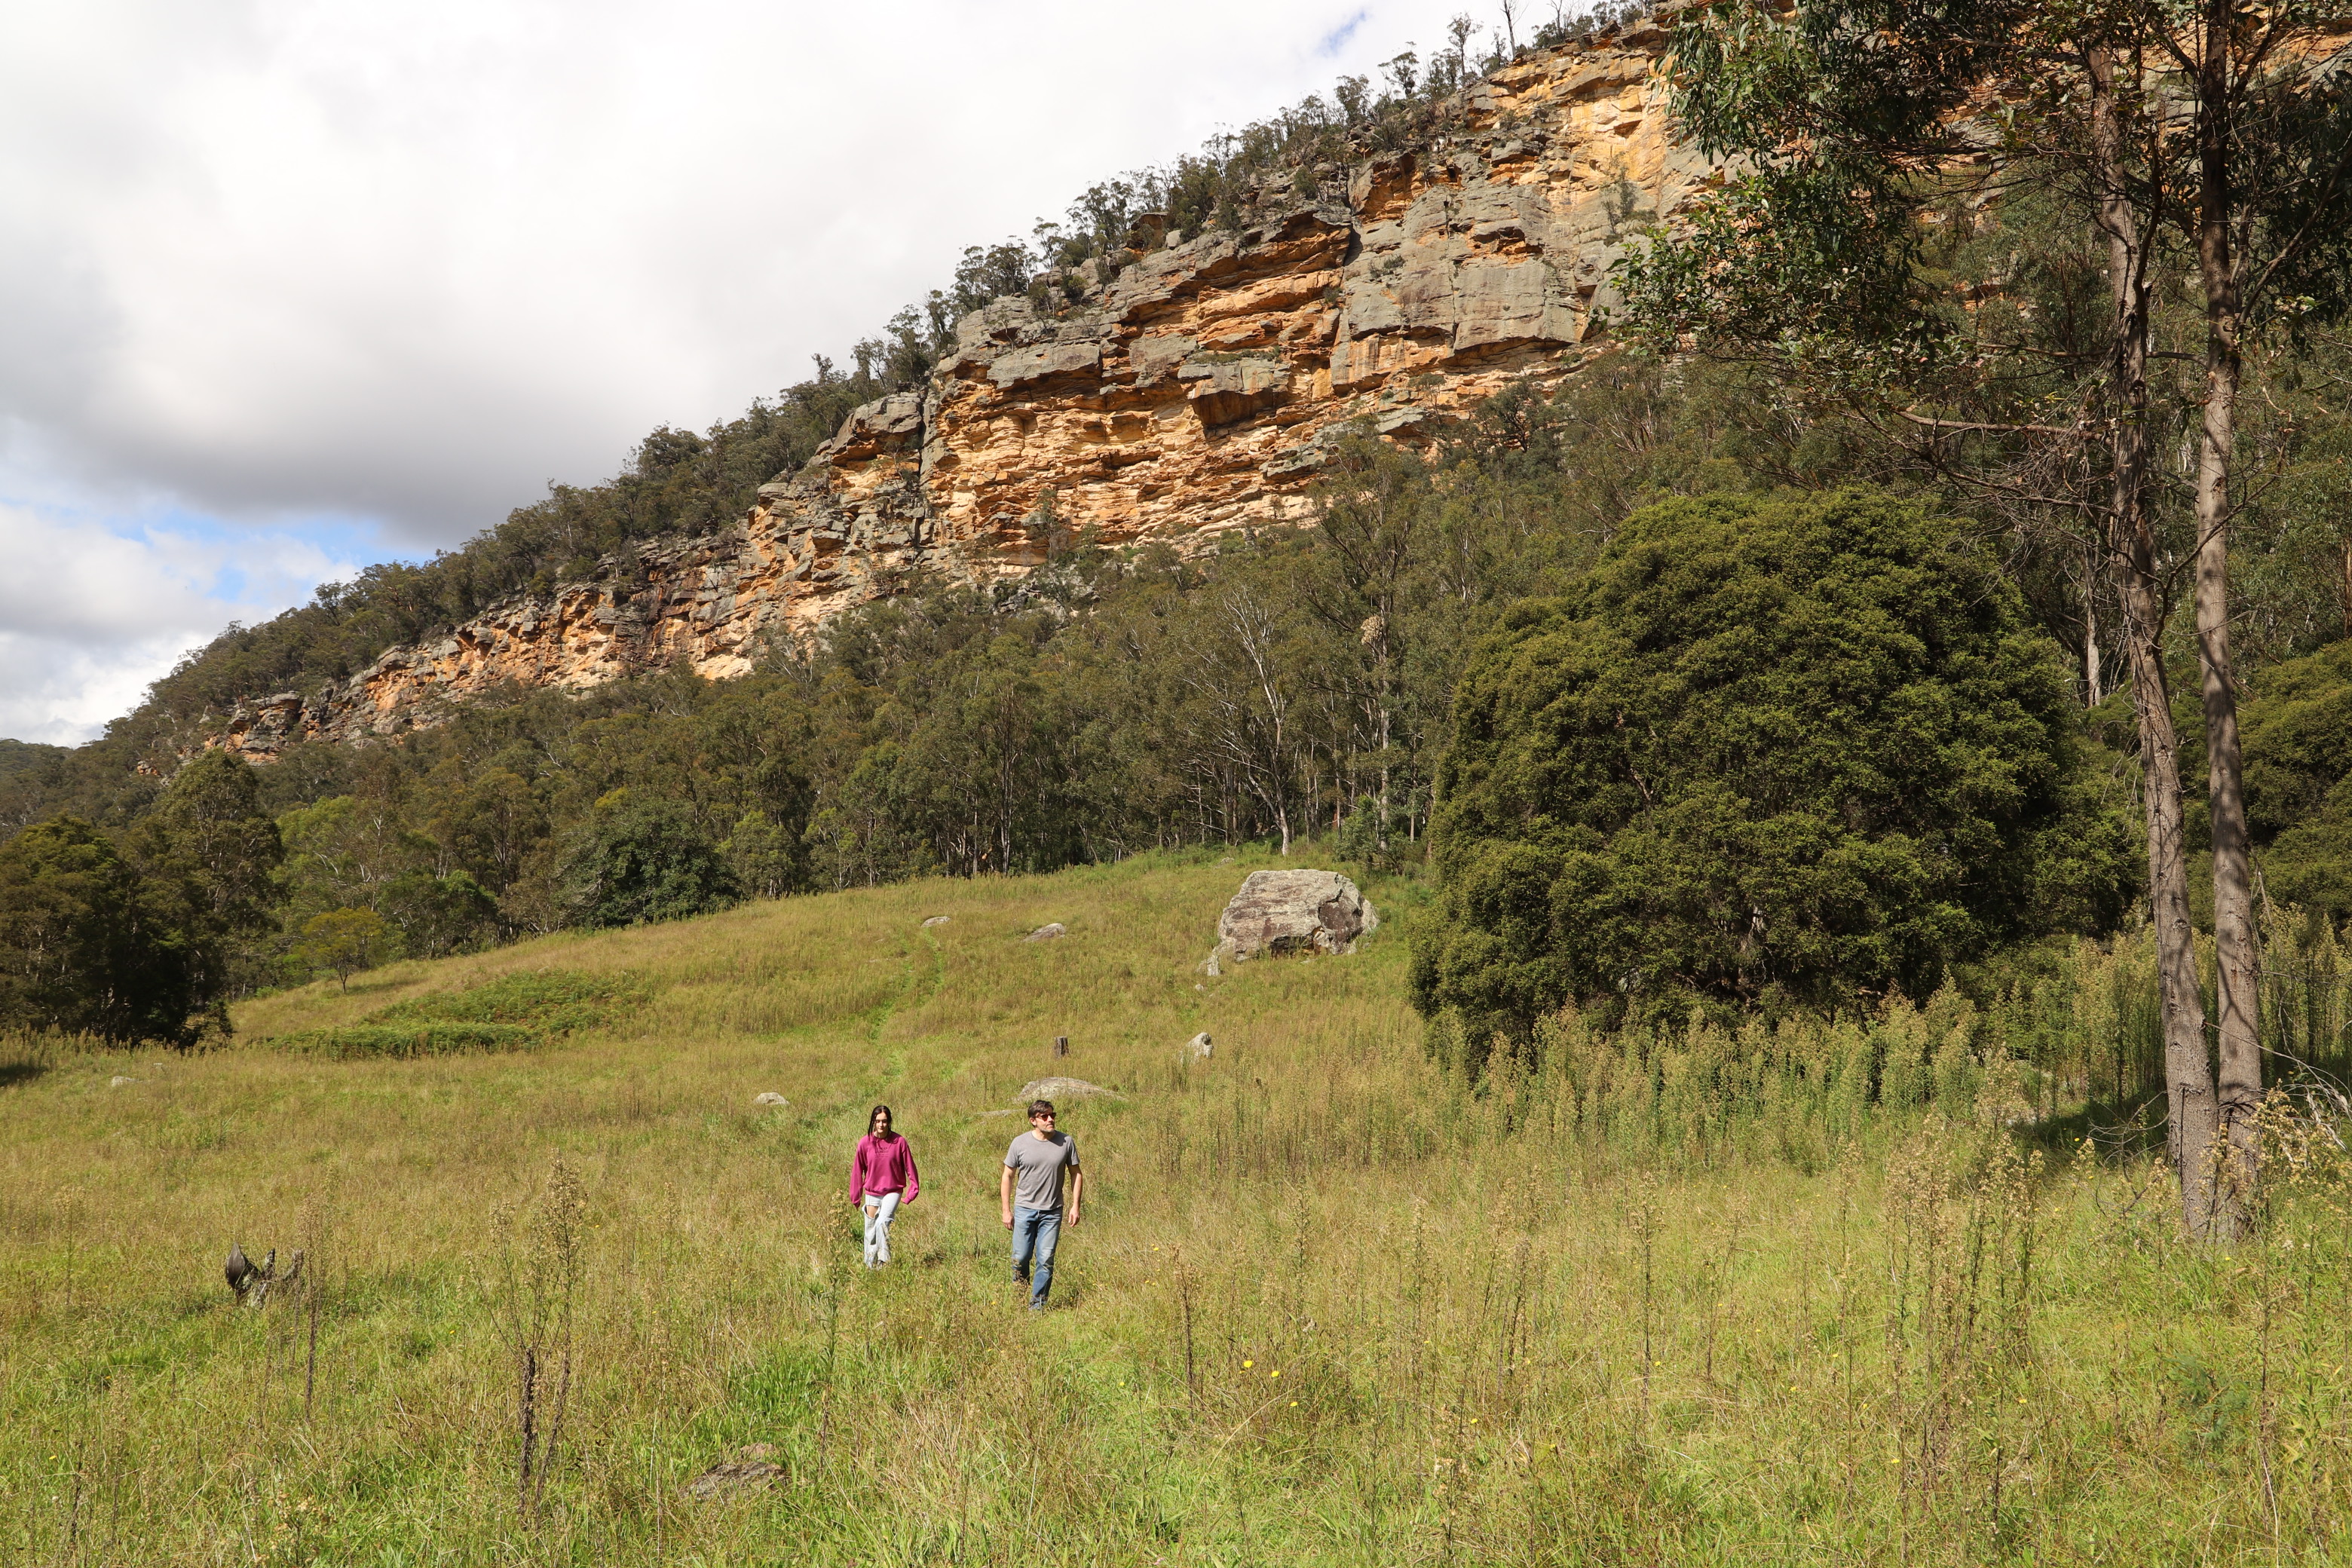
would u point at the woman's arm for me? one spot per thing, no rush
(914, 1178)
(857, 1174)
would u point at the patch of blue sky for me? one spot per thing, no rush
(242, 548)
(1337, 38)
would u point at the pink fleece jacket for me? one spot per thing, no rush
(883, 1166)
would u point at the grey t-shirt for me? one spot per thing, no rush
(1036, 1165)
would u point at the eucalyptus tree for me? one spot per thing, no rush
(1868, 142)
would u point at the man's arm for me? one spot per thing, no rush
(1077, 1186)
(1005, 1196)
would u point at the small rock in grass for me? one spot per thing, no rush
(935, 921)
(753, 1467)
(1063, 1089)
(770, 1097)
(1046, 933)
(1199, 1047)
(118, 1081)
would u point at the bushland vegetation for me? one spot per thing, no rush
(1116, 700)
(1292, 684)
(138, 935)
(1853, 1291)
(1867, 168)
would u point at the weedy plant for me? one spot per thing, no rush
(539, 1299)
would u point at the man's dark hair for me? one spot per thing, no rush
(1043, 1108)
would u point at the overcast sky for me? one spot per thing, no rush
(288, 288)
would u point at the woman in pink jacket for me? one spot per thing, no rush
(882, 1177)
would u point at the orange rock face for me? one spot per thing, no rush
(1198, 390)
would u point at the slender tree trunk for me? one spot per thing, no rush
(2344, 585)
(2236, 969)
(1380, 653)
(2192, 1117)
(2094, 674)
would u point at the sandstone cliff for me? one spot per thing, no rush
(1198, 390)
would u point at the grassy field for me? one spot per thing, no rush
(1327, 1306)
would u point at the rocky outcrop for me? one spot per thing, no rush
(1297, 912)
(1199, 388)
(850, 527)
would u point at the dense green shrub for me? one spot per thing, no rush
(2298, 751)
(645, 860)
(1801, 748)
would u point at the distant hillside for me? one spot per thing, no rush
(1177, 354)
(24, 756)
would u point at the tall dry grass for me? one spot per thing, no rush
(1327, 1304)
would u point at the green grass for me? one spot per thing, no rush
(1501, 1336)
(514, 1011)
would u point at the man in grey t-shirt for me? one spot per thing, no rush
(1032, 1175)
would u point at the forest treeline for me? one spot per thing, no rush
(1293, 684)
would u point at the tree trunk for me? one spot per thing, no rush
(2235, 966)
(2094, 674)
(2191, 1118)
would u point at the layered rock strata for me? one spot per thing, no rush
(1198, 389)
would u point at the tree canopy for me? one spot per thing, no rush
(1806, 747)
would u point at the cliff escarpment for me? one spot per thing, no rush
(1198, 387)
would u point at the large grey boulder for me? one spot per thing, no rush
(1293, 911)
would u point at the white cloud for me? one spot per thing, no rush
(273, 257)
(89, 615)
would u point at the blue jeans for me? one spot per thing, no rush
(1035, 1231)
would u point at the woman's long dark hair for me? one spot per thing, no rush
(881, 1110)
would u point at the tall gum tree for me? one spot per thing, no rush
(2262, 98)
(2199, 136)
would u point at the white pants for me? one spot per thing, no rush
(878, 1212)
